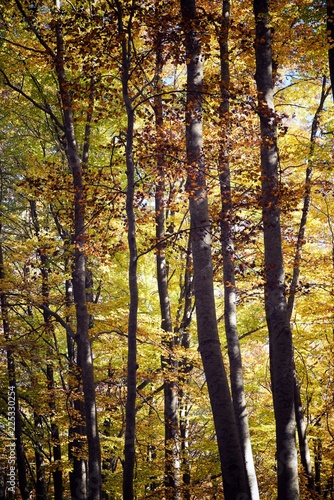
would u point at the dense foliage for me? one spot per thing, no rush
(95, 180)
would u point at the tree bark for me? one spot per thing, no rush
(280, 337)
(130, 408)
(330, 38)
(227, 243)
(300, 421)
(185, 368)
(56, 448)
(78, 476)
(168, 360)
(231, 458)
(79, 275)
(41, 490)
(19, 447)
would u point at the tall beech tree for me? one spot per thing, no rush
(12, 382)
(300, 419)
(66, 128)
(280, 336)
(169, 363)
(231, 458)
(125, 26)
(49, 331)
(79, 274)
(227, 242)
(330, 37)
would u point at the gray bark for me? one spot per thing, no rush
(19, 446)
(56, 448)
(231, 458)
(130, 408)
(185, 368)
(330, 37)
(77, 428)
(227, 242)
(168, 360)
(300, 421)
(41, 490)
(79, 278)
(280, 337)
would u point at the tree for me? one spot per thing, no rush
(209, 346)
(75, 165)
(169, 363)
(130, 424)
(12, 379)
(330, 35)
(280, 337)
(230, 313)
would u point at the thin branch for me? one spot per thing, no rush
(307, 200)
(35, 30)
(21, 46)
(46, 109)
(60, 320)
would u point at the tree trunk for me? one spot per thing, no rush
(78, 476)
(306, 201)
(168, 360)
(280, 337)
(230, 312)
(79, 278)
(330, 37)
(56, 449)
(130, 408)
(318, 462)
(19, 448)
(55, 438)
(300, 421)
(185, 368)
(41, 492)
(231, 458)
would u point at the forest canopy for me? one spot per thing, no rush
(166, 249)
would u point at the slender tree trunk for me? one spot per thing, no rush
(231, 458)
(280, 337)
(12, 382)
(306, 201)
(75, 165)
(79, 277)
(130, 408)
(41, 490)
(185, 368)
(230, 312)
(300, 421)
(56, 449)
(78, 476)
(19, 447)
(330, 36)
(168, 360)
(129, 448)
(318, 462)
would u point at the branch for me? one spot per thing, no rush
(34, 30)
(21, 46)
(60, 320)
(307, 200)
(46, 109)
(162, 240)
